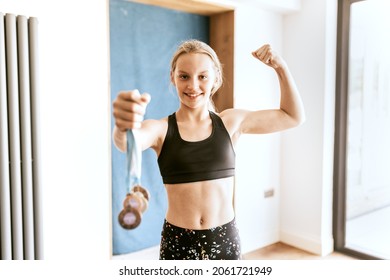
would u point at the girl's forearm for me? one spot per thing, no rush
(120, 139)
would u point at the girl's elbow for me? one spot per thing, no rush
(297, 120)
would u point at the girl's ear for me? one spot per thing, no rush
(172, 79)
(215, 85)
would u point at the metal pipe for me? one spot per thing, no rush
(5, 197)
(36, 133)
(25, 137)
(14, 137)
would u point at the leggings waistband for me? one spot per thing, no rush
(232, 223)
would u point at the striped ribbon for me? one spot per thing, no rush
(134, 160)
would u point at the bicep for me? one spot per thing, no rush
(264, 121)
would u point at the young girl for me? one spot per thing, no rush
(195, 149)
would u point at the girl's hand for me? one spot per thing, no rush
(269, 57)
(129, 109)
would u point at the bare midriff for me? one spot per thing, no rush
(200, 205)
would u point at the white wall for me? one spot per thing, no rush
(75, 109)
(297, 163)
(279, 6)
(258, 157)
(307, 152)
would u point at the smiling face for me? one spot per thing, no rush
(194, 78)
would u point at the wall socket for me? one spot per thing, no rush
(269, 193)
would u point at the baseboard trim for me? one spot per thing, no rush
(313, 244)
(249, 243)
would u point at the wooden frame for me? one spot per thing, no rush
(200, 7)
(222, 41)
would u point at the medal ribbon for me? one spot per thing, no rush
(134, 160)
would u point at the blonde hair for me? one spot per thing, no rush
(196, 46)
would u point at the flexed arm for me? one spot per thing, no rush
(290, 100)
(289, 114)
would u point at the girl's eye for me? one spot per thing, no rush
(203, 77)
(183, 77)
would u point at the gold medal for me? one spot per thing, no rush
(134, 204)
(129, 218)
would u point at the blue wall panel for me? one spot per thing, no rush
(143, 39)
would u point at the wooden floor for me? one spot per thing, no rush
(277, 251)
(281, 251)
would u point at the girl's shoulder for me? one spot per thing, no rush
(232, 119)
(155, 124)
(232, 115)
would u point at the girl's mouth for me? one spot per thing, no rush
(193, 95)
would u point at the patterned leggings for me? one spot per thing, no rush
(218, 243)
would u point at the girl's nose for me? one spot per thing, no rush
(193, 84)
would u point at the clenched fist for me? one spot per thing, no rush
(269, 57)
(129, 109)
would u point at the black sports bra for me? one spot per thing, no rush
(182, 161)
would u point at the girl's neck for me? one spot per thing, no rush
(189, 114)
